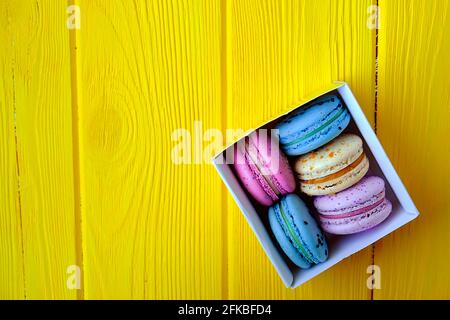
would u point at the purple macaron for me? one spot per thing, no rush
(355, 209)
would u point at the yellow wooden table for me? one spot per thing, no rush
(87, 117)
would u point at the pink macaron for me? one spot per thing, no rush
(355, 209)
(262, 168)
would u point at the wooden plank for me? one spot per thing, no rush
(40, 75)
(281, 51)
(38, 71)
(152, 228)
(413, 108)
(11, 260)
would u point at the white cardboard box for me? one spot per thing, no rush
(340, 247)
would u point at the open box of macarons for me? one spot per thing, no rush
(315, 185)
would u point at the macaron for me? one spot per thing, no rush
(312, 126)
(297, 233)
(334, 167)
(262, 168)
(356, 209)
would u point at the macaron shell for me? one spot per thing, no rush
(330, 158)
(366, 192)
(285, 243)
(338, 184)
(310, 115)
(310, 232)
(275, 162)
(361, 222)
(313, 126)
(252, 180)
(272, 176)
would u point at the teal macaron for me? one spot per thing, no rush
(297, 233)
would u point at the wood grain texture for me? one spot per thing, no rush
(91, 116)
(39, 72)
(282, 51)
(413, 108)
(11, 259)
(151, 228)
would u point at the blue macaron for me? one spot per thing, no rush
(297, 232)
(311, 127)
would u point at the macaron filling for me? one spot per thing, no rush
(256, 159)
(339, 113)
(292, 233)
(355, 212)
(261, 179)
(338, 174)
(382, 208)
(345, 209)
